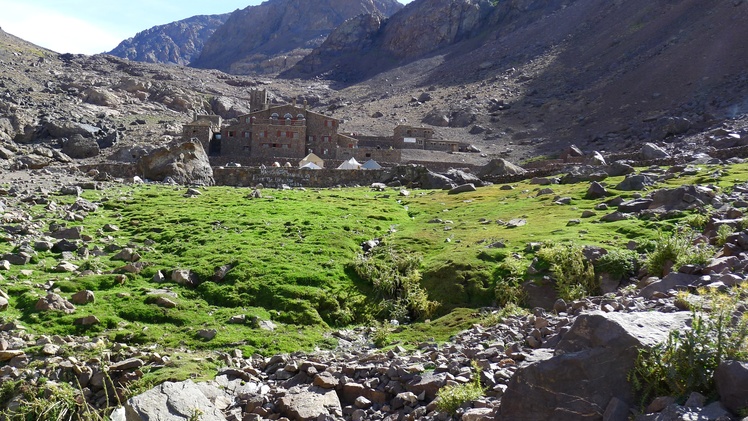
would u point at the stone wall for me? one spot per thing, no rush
(294, 177)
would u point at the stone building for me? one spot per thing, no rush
(410, 137)
(285, 131)
(206, 128)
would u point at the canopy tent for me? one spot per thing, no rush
(371, 165)
(350, 164)
(312, 158)
(310, 166)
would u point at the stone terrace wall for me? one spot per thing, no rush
(294, 177)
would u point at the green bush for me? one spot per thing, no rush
(451, 398)
(397, 280)
(509, 275)
(574, 274)
(617, 263)
(723, 232)
(676, 249)
(686, 362)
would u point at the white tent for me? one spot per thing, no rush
(310, 166)
(371, 165)
(312, 158)
(350, 164)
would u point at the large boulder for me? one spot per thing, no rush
(589, 367)
(418, 176)
(184, 162)
(79, 147)
(731, 379)
(310, 403)
(651, 151)
(172, 401)
(635, 182)
(499, 167)
(682, 198)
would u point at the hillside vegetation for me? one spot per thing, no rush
(294, 257)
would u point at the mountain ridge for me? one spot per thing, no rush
(173, 43)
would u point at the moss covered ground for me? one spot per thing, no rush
(291, 254)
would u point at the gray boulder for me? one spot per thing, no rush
(619, 168)
(53, 302)
(310, 403)
(499, 167)
(650, 151)
(635, 182)
(79, 147)
(183, 162)
(465, 188)
(673, 280)
(731, 379)
(682, 198)
(172, 401)
(600, 348)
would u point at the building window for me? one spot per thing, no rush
(265, 145)
(294, 135)
(275, 145)
(246, 134)
(329, 123)
(326, 138)
(232, 133)
(312, 138)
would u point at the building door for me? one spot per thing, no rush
(215, 147)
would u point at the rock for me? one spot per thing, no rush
(83, 205)
(325, 380)
(83, 297)
(465, 188)
(73, 233)
(128, 364)
(499, 167)
(596, 191)
(184, 162)
(634, 205)
(165, 302)
(437, 118)
(172, 401)
(127, 255)
(650, 151)
(635, 183)
(427, 384)
(669, 126)
(64, 267)
(71, 191)
(79, 147)
(310, 403)
(615, 216)
(53, 302)
(9, 354)
(619, 168)
(478, 414)
(185, 277)
(600, 348)
(462, 177)
(3, 303)
(673, 280)
(87, 321)
(731, 380)
(516, 223)
(207, 334)
(681, 198)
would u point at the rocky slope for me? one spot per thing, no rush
(174, 43)
(274, 35)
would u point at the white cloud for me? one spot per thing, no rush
(56, 31)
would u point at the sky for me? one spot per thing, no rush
(97, 26)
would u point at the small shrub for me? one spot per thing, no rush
(396, 278)
(697, 220)
(574, 274)
(509, 275)
(674, 250)
(723, 232)
(617, 263)
(381, 335)
(450, 398)
(686, 362)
